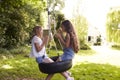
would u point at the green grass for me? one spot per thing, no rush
(20, 67)
(81, 52)
(86, 52)
(91, 71)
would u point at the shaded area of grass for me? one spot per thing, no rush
(19, 67)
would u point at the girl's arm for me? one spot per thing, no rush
(65, 42)
(39, 47)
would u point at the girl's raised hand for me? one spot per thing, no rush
(57, 35)
(59, 30)
(45, 40)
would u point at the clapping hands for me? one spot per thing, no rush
(58, 34)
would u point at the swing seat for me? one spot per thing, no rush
(55, 67)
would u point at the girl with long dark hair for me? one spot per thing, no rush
(68, 38)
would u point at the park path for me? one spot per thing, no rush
(104, 55)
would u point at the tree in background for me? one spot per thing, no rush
(17, 18)
(112, 25)
(55, 17)
(54, 7)
(81, 26)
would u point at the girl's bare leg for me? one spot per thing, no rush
(49, 76)
(48, 60)
(65, 74)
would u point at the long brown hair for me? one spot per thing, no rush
(35, 28)
(70, 29)
(34, 32)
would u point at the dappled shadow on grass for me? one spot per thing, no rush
(92, 71)
(20, 69)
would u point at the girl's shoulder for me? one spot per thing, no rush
(37, 38)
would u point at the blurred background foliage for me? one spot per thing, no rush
(18, 17)
(113, 26)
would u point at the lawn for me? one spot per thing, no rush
(21, 67)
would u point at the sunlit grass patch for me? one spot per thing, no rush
(7, 67)
(86, 52)
(91, 71)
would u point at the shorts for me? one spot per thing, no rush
(40, 59)
(68, 54)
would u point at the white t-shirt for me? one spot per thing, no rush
(34, 53)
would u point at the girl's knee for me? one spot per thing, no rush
(48, 60)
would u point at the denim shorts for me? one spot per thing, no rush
(40, 59)
(68, 54)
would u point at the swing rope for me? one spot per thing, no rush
(57, 66)
(50, 31)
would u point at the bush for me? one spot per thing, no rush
(85, 47)
(117, 47)
(20, 50)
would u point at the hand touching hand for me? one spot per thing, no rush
(58, 35)
(59, 30)
(46, 38)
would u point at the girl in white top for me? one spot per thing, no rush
(38, 50)
(38, 46)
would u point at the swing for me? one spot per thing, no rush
(54, 67)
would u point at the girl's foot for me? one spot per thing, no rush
(69, 73)
(70, 78)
